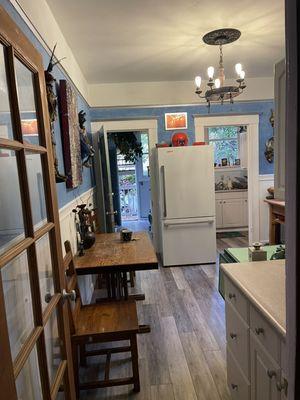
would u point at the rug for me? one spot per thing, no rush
(226, 235)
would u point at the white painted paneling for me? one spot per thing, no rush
(68, 232)
(265, 181)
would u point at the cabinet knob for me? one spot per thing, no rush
(258, 331)
(271, 373)
(234, 386)
(233, 335)
(231, 296)
(224, 202)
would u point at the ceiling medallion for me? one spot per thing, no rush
(218, 91)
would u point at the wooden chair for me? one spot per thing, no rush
(100, 323)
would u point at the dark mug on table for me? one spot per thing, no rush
(126, 235)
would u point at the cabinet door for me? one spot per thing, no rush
(279, 130)
(265, 373)
(219, 214)
(233, 213)
(245, 212)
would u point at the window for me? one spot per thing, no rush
(226, 142)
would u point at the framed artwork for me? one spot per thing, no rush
(224, 162)
(237, 161)
(175, 121)
(70, 134)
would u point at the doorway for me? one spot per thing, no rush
(130, 182)
(251, 123)
(104, 191)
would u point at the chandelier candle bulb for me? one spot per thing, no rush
(217, 83)
(198, 82)
(210, 72)
(242, 75)
(238, 68)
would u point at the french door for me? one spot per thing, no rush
(35, 351)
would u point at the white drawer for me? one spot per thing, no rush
(237, 335)
(238, 385)
(265, 333)
(234, 296)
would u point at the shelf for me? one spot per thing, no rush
(229, 169)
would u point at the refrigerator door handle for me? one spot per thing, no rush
(163, 179)
(192, 222)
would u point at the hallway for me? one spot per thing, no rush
(184, 356)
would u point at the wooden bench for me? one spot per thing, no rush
(100, 323)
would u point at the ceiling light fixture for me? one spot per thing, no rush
(218, 91)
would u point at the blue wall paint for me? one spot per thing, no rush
(260, 107)
(64, 195)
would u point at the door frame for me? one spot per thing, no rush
(252, 122)
(17, 45)
(292, 195)
(107, 126)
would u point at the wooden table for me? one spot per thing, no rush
(277, 218)
(114, 258)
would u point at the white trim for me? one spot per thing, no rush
(266, 177)
(149, 125)
(252, 121)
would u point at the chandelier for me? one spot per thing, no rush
(217, 90)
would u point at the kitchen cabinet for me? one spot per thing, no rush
(265, 373)
(231, 209)
(219, 214)
(256, 361)
(279, 130)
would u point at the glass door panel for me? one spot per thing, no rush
(27, 102)
(18, 302)
(6, 130)
(52, 347)
(11, 215)
(45, 270)
(29, 382)
(36, 189)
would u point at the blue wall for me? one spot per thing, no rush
(64, 195)
(259, 107)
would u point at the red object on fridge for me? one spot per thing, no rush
(179, 139)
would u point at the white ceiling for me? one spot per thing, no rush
(161, 40)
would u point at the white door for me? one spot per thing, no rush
(189, 241)
(187, 181)
(233, 213)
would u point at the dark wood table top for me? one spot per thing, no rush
(110, 254)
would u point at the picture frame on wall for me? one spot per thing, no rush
(224, 162)
(176, 120)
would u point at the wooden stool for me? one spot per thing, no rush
(101, 323)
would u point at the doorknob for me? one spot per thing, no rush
(111, 213)
(71, 295)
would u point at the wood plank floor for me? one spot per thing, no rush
(183, 358)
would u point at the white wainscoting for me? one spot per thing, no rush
(265, 181)
(68, 232)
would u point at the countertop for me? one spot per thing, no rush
(232, 190)
(263, 283)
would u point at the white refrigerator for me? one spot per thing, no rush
(185, 205)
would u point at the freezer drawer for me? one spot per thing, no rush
(189, 241)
